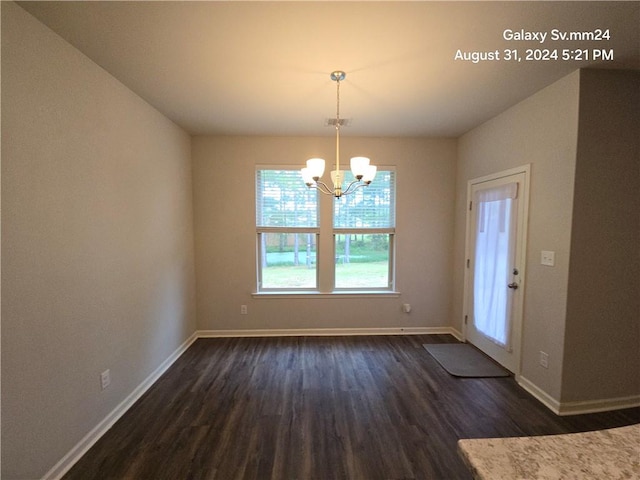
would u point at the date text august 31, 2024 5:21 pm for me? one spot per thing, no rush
(561, 51)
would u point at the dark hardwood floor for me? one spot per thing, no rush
(360, 408)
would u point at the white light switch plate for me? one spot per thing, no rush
(548, 258)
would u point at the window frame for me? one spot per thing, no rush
(390, 231)
(285, 230)
(325, 233)
(391, 262)
(263, 230)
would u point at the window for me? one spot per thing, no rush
(363, 229)
(287, 228)
(288, 233)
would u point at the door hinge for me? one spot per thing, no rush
(465, 319)
(468, 262)
(470, 205)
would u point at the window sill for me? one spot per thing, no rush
(337, 294)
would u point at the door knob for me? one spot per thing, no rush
(513, 285)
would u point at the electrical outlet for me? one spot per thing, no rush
(243, 309)
(105, 379)
(544, 359)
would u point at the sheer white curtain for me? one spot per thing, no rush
(495, 234)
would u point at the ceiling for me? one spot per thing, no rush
(262, 68)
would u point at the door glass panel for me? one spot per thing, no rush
(493, 263)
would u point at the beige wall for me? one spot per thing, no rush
(224, 196)
(602, 340)
(97, 244)
(580, 136)
(541, 131)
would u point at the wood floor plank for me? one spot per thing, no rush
(317, 408)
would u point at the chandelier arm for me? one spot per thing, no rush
(351, 188)
(322, 188)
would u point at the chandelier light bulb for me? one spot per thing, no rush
(316, 168)
(369, 174)
(337, 177)
(359, 166)
(307, 177)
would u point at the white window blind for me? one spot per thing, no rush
(283, 200)
(368, 207)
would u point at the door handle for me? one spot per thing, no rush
(513, 285)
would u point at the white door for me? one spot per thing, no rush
(496, 224)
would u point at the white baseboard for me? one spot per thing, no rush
(335, 332)
(546, 399)
(65, 464)
(594, 406)
(578, 408)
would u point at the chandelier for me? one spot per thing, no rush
(362, 171)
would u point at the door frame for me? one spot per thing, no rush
(521, 249)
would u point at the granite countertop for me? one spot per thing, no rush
(604, 454)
